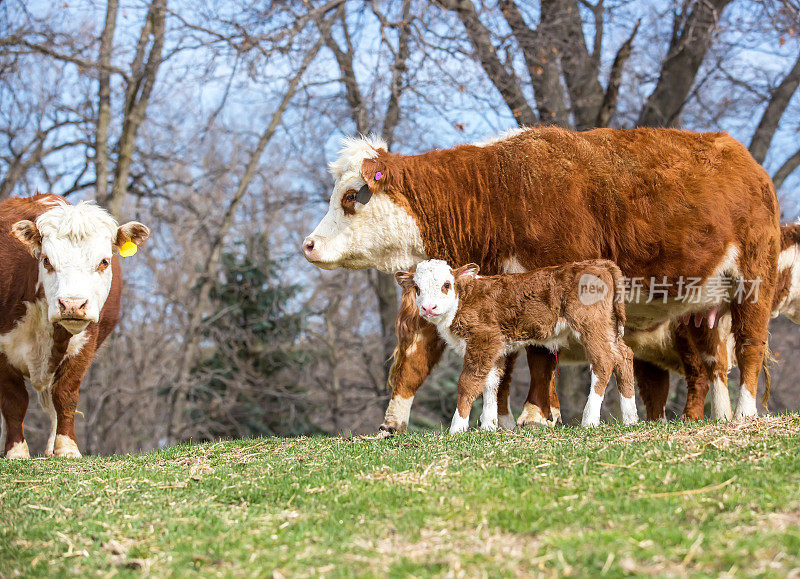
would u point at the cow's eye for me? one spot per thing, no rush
(351, 198)
(104, 263)
(46, 263)
(446, 285)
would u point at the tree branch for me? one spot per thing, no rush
(786, 169)
(609, 105)
(486, 54)
(778, 102)
(691, 39)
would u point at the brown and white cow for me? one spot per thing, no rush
(658, 202)
(59, 299)
(484, 319)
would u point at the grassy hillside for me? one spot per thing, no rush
(665, 498)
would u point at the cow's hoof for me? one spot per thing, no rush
(532, 417)
(506, 421)
(489, 425)
(66, 447)
(18, 450)
(392, 428)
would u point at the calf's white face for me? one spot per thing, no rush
(435, 284)
(74, 245)
(373, 232)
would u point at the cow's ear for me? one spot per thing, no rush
(469, 270)
(405, 279)
(27, 232)
(375, 173)
(132, 231)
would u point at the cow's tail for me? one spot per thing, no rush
(768, 360)
(618, 297)
(406, 329)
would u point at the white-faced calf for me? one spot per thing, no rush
(487, 318)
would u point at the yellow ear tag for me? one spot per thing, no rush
(128, 249)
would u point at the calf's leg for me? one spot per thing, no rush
(481, 373)
(623, 370)
(489, 415)
(505, 419)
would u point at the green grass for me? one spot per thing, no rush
(667, 499)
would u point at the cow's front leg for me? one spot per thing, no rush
(65, 403)
(415, 357)
(542, 407)
(505, 419)
(13, 406)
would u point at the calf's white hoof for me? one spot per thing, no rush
(629, 413)
(66, 447)
(591, 412)
(18, 450)
(459, 425)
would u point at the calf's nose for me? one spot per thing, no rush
(73, 308)
(429, 310)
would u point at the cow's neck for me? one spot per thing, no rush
(458, 221)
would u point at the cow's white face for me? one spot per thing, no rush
(74, 245)
(355, 235)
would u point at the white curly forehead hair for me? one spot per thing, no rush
(433, 270)
(76, 222)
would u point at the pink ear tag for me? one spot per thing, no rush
(378, 176)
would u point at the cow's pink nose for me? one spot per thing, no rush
(308, 247)
(73, 308)
(429, 310)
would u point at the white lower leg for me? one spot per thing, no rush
(720, 400)
(629, 413)
(489, 413)
(746, 406)
(591, 412)
(458, 424)
(399, 410)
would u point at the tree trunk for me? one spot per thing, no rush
(687, 50)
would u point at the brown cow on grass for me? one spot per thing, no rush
(484, 319)
(59, 299)
(661, 203)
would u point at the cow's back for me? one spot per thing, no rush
(655, 201)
